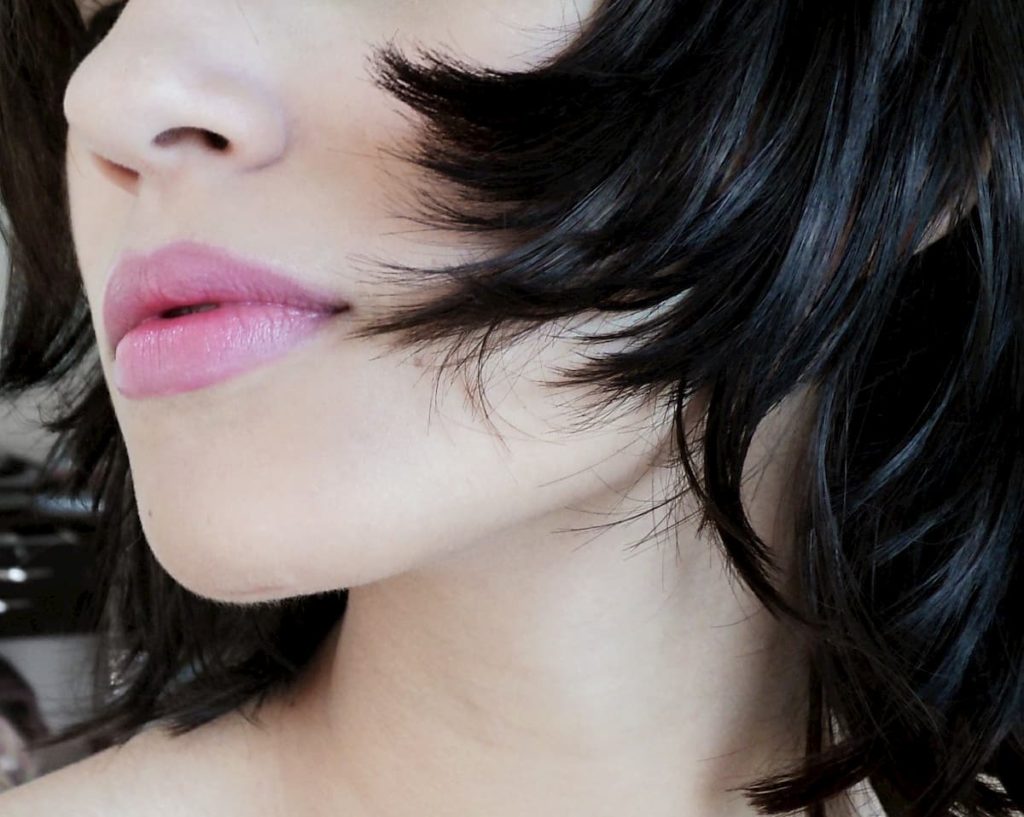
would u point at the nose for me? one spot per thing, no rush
(153, 99)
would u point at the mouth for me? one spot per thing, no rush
(197, 309)
(187, 278)
(186, 348)
(187, 310)
(189, 315)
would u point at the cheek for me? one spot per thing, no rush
(507, 35)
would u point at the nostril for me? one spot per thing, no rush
(214, 140)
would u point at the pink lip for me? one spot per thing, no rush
(261, 314)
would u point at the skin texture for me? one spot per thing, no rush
(488, 664)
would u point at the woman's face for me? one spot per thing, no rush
(335, 464)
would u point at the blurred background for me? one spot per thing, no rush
(46, 650)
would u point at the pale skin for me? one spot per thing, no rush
(487, 664)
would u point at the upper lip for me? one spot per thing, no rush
(188, 273)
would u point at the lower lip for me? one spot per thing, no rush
(164, 356)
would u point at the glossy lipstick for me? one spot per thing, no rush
(189, 315)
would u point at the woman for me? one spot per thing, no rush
(533, 408)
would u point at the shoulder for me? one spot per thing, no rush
(96, 785)
(213, 770)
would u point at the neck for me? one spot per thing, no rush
(550, 674)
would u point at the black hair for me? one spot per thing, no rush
(768, 181)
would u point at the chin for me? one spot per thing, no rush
(243, 566)
(208, 565)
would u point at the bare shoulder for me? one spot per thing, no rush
(94, 786)
(213, 770)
